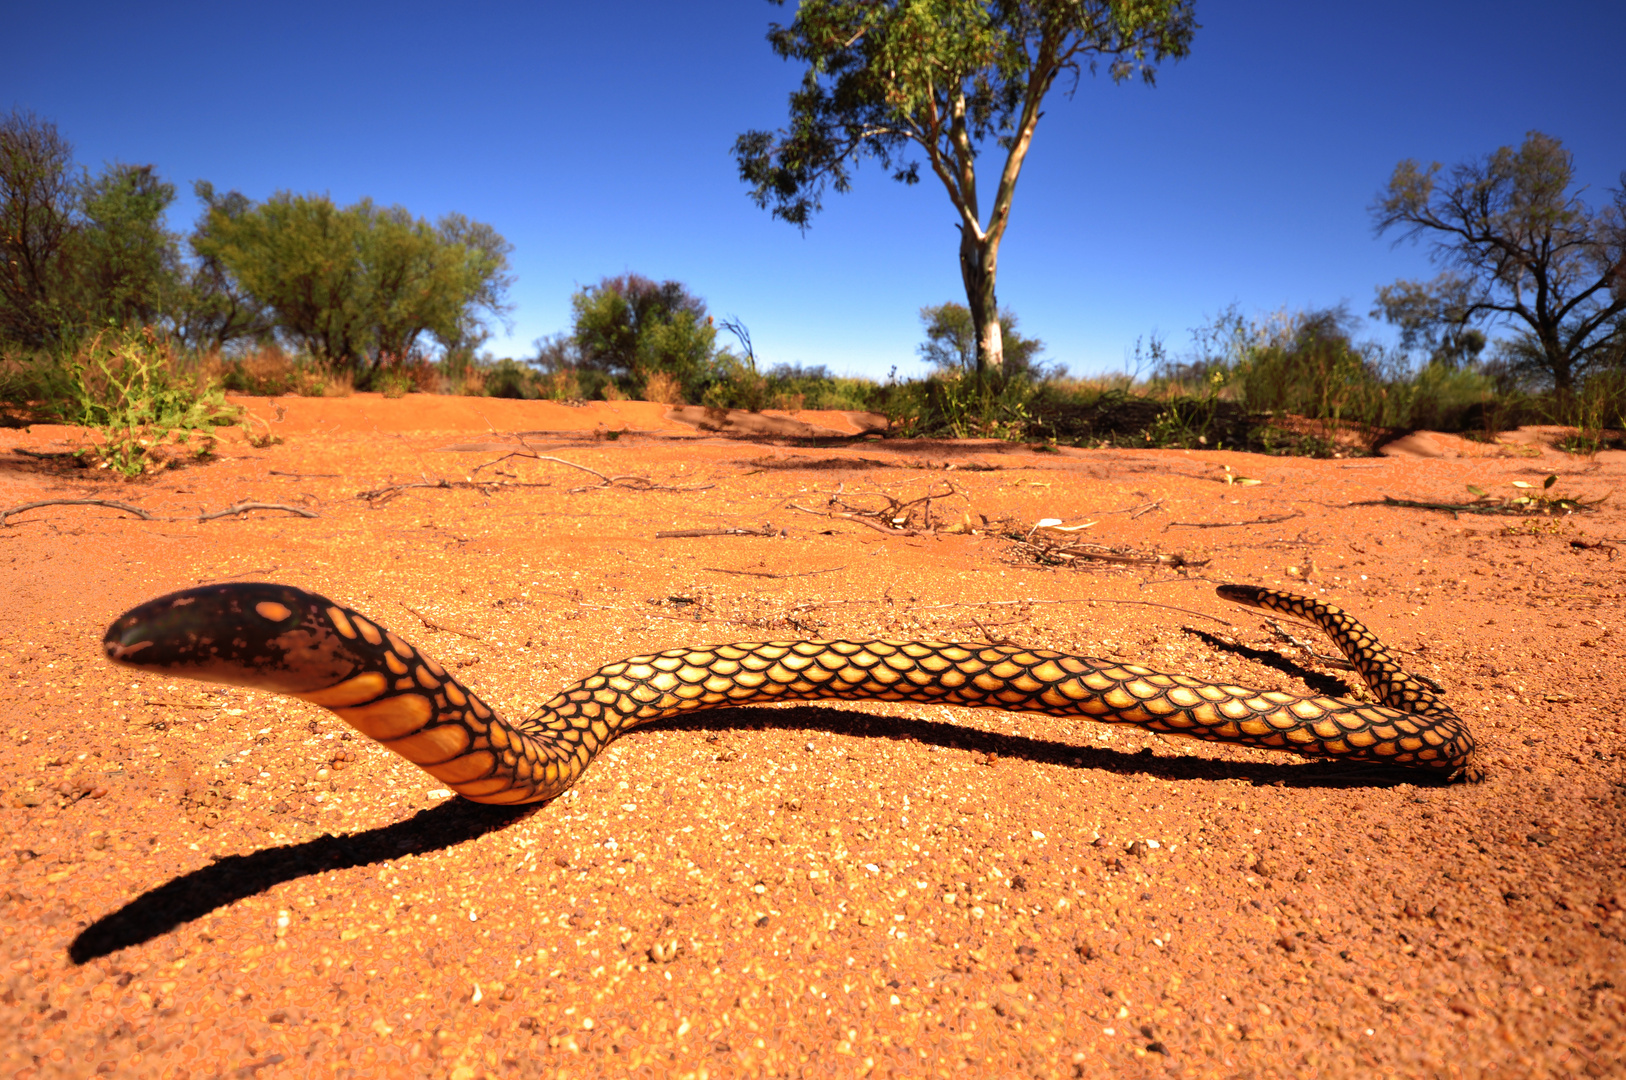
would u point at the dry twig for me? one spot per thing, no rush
(1521, 505)
(1230, 524)
(126, 507)
(631, 482)
(912, 517)
(1047, 550)
(432, 625)
(674, 534)
(766, 574)
(245, 507)
(207, 515)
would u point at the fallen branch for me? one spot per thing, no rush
(858, 519)
(126, 507)
(898, 517)
(1230, 524)
(674, 534)
(305, 476)
(766, 574)
(383, 495)
(209, 515)
(245, 507)
(432, 625)
(1049, 552)
(632, 482)
(1524, 505)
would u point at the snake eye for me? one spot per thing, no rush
(272, 611)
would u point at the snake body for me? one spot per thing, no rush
(286, 640)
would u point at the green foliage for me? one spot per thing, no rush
(37, 205)
(126, 386)
(126, 262)
(946, 78)
(1519, 248)
(355, 285)
(511, 379)
(630, 329)
(959, 406)
(951, 342)
(942, 76)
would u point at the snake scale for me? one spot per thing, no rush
(283, 639)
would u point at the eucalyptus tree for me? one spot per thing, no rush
(946, 79)
(1519, 247)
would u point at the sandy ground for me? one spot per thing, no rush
(842, 890)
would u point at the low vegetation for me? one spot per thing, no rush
(110, 321)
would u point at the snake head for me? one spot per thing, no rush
(272, 637)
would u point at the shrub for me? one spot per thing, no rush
(128, 387)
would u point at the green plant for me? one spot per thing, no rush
(126, 386)
(509, 378)
(959, 407)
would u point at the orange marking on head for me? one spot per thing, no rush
(368, 631)
(272, 611)
(341, 622)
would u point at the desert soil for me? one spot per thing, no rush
(201, 881)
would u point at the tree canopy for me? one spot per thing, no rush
(951, 341)
(1517, 247)
(361, 284)
(630, 327)
(943, 78)
(36, 220)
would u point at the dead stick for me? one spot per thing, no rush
(860, 519)
(674, 534)
(432, 625)
(1229, 524)
(766, 574)
(136, 510)
(245, 507)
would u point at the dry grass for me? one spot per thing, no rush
(663, 388)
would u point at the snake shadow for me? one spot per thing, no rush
(237, 877)
(1318, 682)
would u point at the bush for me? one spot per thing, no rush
(128, 387)
(511, 379)
(270, 372)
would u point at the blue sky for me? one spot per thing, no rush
(596, 138)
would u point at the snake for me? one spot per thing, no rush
(282, 639)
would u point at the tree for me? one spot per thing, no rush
(128, 264)
(630, 327)
(943, 77)
(1518, 248)
(212, 310)
(356, 285)
(951, 341)
(38, 195)
(1429, 317)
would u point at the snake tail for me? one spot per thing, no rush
(288, 641)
